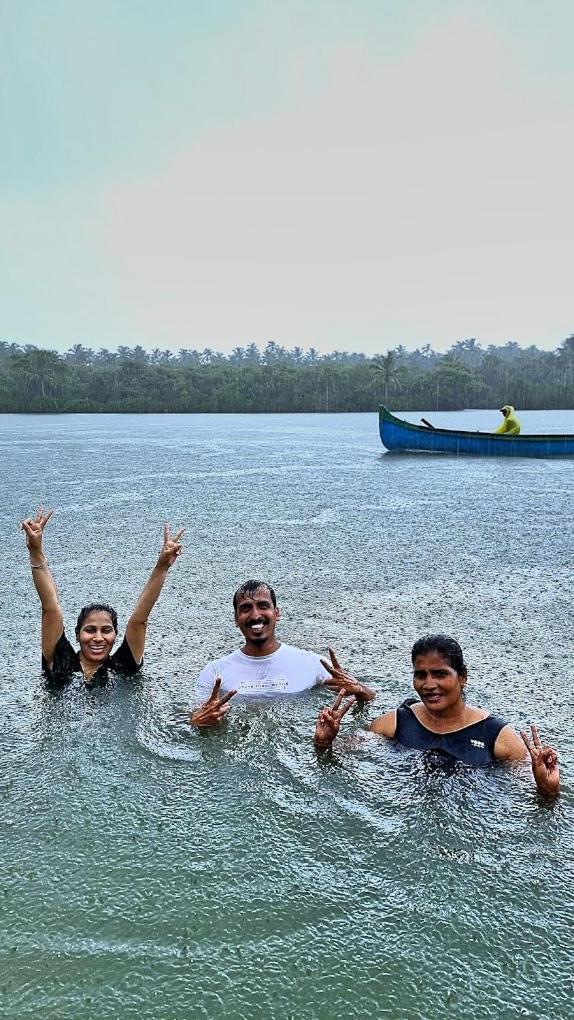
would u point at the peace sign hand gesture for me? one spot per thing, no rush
(34, 529)
(341, 680)
(214, 710)
(329, 720)
(171, 548)
(544, 764)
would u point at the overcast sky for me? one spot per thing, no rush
(346, 175)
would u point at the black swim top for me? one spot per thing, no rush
(66, 662)
(473, 745)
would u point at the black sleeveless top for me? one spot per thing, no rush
(473, 745)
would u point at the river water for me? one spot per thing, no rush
(152, 872)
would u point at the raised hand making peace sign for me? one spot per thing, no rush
(34, 529)
(544, 763)
(214, 710)
(341, 680)
(329, 720)
(171, 548)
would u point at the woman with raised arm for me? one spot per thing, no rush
(97, 624)
(444, 723)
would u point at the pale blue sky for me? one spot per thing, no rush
(345, 175)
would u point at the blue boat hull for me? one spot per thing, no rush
(402, 435)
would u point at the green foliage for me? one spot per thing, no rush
(280, 380)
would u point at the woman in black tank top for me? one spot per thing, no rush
(443, 722)
(97, 625)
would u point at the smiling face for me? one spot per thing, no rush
(96, 637)
(437, 683)
(256, 617)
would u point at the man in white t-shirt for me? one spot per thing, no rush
(264, 666)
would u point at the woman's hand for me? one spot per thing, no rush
(214, 710)
(34, 529)
(171, 548)
(329, 720)
(137, 623)
(544, 764)
(340, 680)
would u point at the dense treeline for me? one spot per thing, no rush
(277, 379)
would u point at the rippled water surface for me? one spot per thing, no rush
(152, 872)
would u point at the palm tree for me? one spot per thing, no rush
(7, 350)
(80, 355)
(468, 351)
(273, 353)
(106, 357)
(565, 358)
(388, 370)
(125, 353)
(187, 357)
(252, 354)
(40, 371)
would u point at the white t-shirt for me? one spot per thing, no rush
(287, 671)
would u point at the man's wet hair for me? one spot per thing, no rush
(445, 646)
(96, 607)
(249, 588)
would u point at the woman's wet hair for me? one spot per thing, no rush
(249, 588)
(445, 646)
(96, 607)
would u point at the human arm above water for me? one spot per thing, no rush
(137, 624)
(213, 711)
(52, 616)
(544, 764)
(329, 720)
(508, 747)
(544, 760)
(341, 680)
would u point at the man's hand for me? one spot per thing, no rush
(329, 720)
(171, 548)
(214, 710)
(544, 764)
(340, 680)
(34, 529)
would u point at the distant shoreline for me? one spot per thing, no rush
(281, 381)
(393, 406)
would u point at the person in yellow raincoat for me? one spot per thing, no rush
(510, 426)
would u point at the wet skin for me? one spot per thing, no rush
(439, 686)
(96, 638)
(256, 617)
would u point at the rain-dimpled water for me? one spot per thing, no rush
(153, 871)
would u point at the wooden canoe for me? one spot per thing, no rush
(397, 434)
